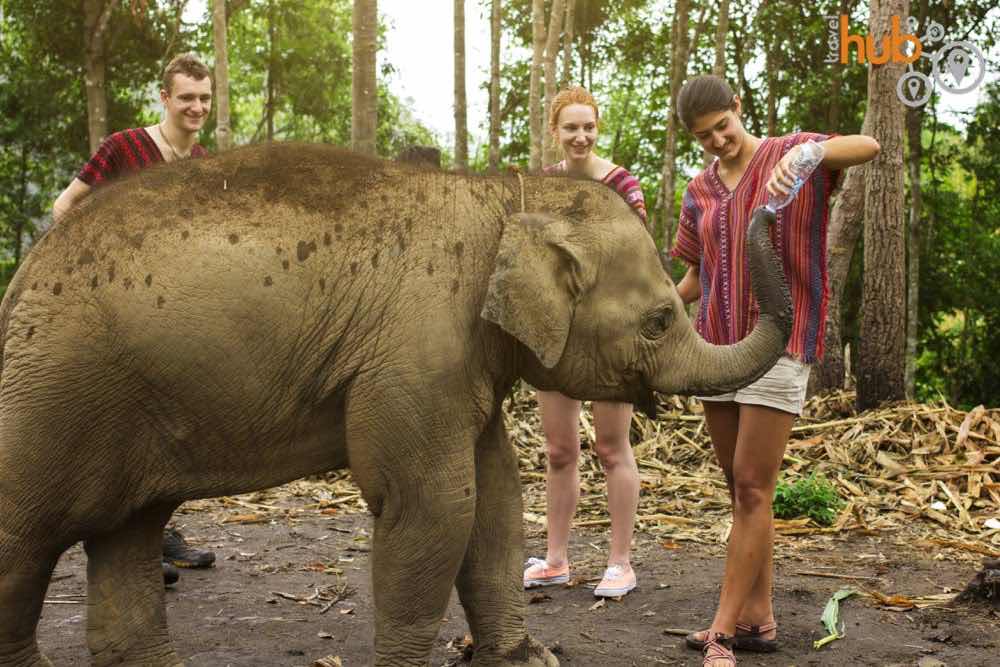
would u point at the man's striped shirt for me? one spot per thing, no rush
(123, 153)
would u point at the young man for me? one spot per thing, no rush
(187, 100)
(186, 95)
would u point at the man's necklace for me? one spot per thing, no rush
(177, 156)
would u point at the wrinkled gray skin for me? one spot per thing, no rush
(230, 324)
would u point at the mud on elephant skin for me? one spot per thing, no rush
(229, 324)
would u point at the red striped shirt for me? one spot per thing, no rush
(711, 234)
(623, 182)
(123, 153)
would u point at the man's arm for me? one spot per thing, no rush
(70, 197)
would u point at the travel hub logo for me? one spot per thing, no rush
(958, 67)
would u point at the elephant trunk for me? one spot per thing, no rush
(703, 368)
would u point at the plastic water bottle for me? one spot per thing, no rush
(809, 157)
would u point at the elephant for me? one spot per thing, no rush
(232, 323)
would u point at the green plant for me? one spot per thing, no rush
(813, 496)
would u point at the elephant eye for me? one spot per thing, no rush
(656, 323)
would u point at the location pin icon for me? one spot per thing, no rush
(914, 85)
(958, 65)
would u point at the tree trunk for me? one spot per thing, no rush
(841, 240)
(770, 71)
(222, 130)
(556, 19)
(626, 110)
(364, 94)
(535, 120)
(882, 348)
(461, 125)
(271, 62)
(678, 74)
(96, 15)
(914, 131)
(495, 86)
(743, 87)
(721, 28)
(836, 81)
(568, 42)
(914, 127)
(772, 101)
(719, 67)
(22, 202)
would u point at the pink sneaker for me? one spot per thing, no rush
(539, 573)
(618, 580)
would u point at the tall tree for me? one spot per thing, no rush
(915, 152)
(551, 52)
(270, 104)
(568, 43)
(719, 66)
(364, 93)
(771, 61)
(222, 129)
(495, 16)
(678, 61)
(461, 125)
(721, 29)
(96, 15)
(535, 114)
(846, 222)
(914, 125)
(883, 313)
(743, 39)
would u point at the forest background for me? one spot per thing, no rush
(934, 239)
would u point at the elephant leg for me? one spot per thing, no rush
(126, 612)
(24, 578)
(416, 474)
(490, 583)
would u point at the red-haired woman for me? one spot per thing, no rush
(573, 122)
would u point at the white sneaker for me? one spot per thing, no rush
(618, 580)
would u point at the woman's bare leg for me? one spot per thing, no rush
(760, 446)
(611, 427)
(561, 426)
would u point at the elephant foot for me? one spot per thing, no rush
(529, 653)
(28, 657)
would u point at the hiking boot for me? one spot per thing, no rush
(170, 574)
(540, 573)
(618, 580)
(179, 553)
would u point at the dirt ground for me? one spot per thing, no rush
(245, 612)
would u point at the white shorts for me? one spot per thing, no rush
(783, 387)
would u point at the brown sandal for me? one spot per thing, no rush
(748, 638)
(718, 647)
(751, 638)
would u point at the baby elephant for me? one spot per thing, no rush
(229, 324)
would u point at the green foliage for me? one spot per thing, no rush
(959, 346)
(813, 497)
(300, 51)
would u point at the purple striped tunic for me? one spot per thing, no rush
(712, 235)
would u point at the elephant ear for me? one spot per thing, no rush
(539, 276)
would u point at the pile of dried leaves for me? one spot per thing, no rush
(928, 469)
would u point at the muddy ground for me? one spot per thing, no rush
(243, 612)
